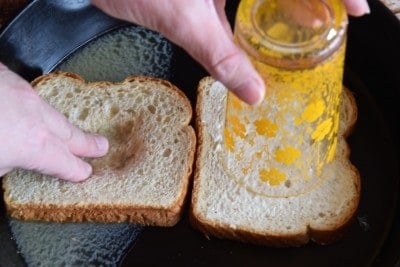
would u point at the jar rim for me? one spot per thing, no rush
(307, 52)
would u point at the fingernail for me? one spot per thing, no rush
(261, 90)
(84, 173)
(88, 169)
(365, 8)
(101, 142)
(253, 91)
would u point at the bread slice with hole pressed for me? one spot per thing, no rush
(143, 179)
(226, 209)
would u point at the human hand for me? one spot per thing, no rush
(356, 7)
(202, 29)
(35, 136)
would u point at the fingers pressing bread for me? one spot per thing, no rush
(49, 155)
(79, 143)
(38, 136)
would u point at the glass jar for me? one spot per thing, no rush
(280, 147)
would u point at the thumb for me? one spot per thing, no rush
(357, 7)
(230, 65)
(221, 57)
(197, 27)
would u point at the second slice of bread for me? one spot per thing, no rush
(143, 179)
(226, 209)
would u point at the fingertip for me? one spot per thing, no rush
(102, 144)
(261, 90)
(238, 74)
(87, 170)
(252, 91)
(357, 8)
(82, 173)
(88, 145)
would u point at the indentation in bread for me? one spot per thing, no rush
(123, 154)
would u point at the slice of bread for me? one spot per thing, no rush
(143, 179)
(222, 207)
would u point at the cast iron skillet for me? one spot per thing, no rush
(46, 32)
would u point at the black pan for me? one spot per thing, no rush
(45, 33)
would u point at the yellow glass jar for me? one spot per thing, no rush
(280, 147)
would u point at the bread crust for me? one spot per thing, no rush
(154, 214)
(101, 84)
(98, 213)
(268, 238)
